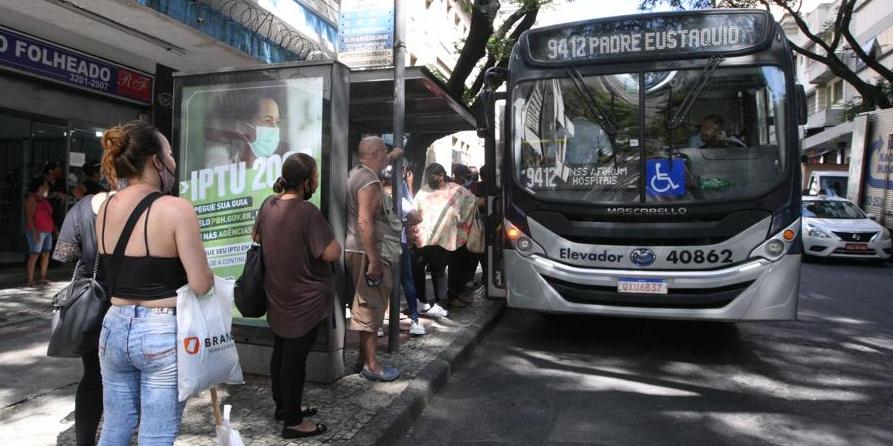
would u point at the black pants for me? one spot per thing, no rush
(288, 368)
(462, 266)
(436, 259)
(88, 401)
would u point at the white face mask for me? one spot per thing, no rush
(266, 141)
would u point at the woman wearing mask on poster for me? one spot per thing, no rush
(252, 132)
(298, 282)
(161, 250)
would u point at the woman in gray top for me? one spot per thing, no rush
(77, 241)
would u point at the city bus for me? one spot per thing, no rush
(649, 167)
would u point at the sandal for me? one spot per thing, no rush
(288, 432)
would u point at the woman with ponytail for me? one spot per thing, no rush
(299, 246)
(149, 246)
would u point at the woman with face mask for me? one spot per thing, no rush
(446, 209)
(39, 228)
(299, 246)
(149, 246)
(243, 134)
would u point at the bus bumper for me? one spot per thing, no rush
(757, 290)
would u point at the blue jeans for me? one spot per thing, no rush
(43, 243)
(408, 282)
(138, 357)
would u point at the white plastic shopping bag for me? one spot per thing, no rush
(226, 435)
(206, 350)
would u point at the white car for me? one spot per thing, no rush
(835, 227)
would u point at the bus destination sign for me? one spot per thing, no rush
(673, 35)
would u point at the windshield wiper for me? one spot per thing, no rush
(692, 96)
(592, 104)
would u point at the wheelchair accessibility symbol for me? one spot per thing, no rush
(665, 178)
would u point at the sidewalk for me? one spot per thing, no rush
(356, 411)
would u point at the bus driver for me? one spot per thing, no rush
(711, 134)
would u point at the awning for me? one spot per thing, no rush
(429, 109)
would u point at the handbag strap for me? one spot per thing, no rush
(436, 231)
(257, 219)
(118, 254)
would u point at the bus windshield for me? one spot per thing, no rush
(578, 138)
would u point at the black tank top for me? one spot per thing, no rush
(140, 277)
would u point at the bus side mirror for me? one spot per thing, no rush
(800, 94)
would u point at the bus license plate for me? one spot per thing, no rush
(857, 247)
(642, 286)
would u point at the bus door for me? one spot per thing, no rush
(494, 143)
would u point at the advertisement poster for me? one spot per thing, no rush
(233, 140)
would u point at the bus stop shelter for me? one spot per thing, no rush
(429, 109)
(321, 109)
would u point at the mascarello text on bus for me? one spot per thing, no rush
(650, 168)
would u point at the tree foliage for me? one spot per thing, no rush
(832, 45)
(489, 43)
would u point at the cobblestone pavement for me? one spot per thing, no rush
(21, 305)
(345, 406)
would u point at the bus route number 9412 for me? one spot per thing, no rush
(540, 177)
(698, 256)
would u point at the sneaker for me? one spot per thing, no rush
(416, 329)
(435, 311)
(380, 332)
(385, 374)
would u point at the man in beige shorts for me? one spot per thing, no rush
(372, 278)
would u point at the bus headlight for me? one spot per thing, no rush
(779, 244)
(521, 242)
(775, 248)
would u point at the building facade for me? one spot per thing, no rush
(828, 133)
(436, 30)
(70, 68)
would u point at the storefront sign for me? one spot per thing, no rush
(366, 33)
(30, 55)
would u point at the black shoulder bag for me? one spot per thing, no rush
(78, 309)
(249, 293)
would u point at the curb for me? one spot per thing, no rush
(387, 427)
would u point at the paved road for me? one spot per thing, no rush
(823, 380)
